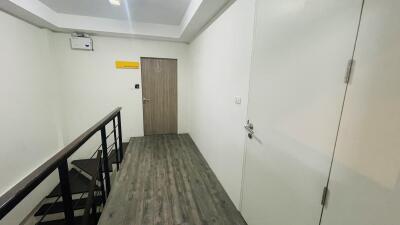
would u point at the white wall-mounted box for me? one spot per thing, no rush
(81, 43)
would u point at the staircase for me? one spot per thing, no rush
(83, 170)
(84, 184)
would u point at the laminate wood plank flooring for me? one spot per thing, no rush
(164, 180)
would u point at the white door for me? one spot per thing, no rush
(365, 181)
(301, 51)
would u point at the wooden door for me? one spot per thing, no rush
(160, 100)
(301, 52)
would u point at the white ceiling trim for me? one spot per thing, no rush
(48, 18)
(190, 12)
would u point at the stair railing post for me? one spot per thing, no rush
(117, 156)
(105, 159)
(121, 150)
(94, 211)
(66, 192)
(102, 189)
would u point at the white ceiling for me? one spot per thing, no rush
(169, 12)
(173, 20)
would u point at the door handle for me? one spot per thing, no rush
(250, 129)
(251, 133)
(146, 100)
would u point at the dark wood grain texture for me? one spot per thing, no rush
(160, 109)
(165, 180)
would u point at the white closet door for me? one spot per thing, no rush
(365, 180)
(301, 52)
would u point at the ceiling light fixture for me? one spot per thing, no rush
(115, 2)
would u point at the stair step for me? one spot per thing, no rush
(113, 155)
(125, 145)
(89, 166)
(78, 182)
(112, 158)
(58, 207)
(77, 221)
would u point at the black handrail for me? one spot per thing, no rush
(16, 194)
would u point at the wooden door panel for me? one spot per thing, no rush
(159, 80)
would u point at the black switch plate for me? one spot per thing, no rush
(137, 86)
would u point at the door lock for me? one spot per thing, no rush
(250, 129)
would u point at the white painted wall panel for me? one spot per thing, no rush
(220, 66)
(91, 86)
(29, 96)
(365, 181)
(301, 51)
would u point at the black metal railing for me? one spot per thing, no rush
(91, 206)
(59, 161)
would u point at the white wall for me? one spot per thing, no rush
(220, 67)
(30, 128)
(50, 94)
(92, 87)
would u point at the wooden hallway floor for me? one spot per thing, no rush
(166, 181)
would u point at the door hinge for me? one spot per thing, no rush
(349, 71)
(324, 196)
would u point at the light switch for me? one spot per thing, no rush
(238, 100)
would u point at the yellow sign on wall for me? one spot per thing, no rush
(127, 65)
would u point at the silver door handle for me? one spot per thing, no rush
(146, 100)
(250, 129)
(251, 133)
